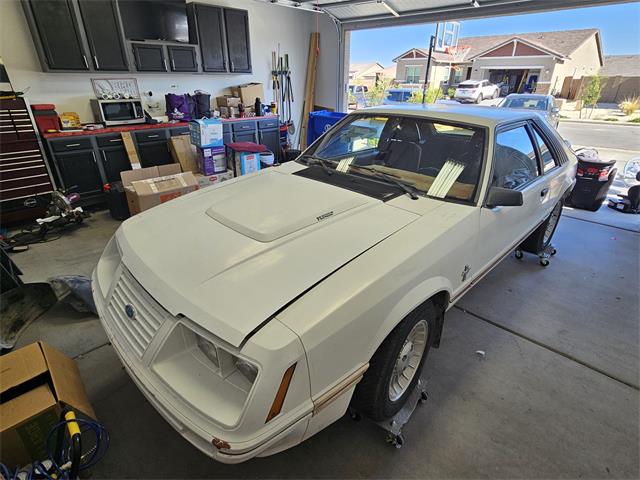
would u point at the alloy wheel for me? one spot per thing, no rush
(408, 360)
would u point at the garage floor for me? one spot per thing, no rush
(556, 394)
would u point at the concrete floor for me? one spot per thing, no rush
(555, 396)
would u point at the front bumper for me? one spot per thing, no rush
(248, 438)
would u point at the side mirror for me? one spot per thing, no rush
(555, 110)
(503, 197)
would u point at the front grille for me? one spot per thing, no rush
(149, 315)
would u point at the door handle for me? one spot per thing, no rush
(544, 191)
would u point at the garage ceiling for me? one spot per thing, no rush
(358, 14)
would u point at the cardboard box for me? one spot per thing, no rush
(36, 383)
(244, 162)
(228, 101)
(249, 92)
(147, 187)
(212, 160)
(209, 180)
(229, 112)
(206, 132)
(184, 153)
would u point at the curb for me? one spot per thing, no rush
(598, 122)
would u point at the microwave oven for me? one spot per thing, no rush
(118, 112)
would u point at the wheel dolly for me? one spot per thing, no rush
(545, 254)
(394, 425)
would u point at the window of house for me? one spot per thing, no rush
(515, 161)
(413, 74)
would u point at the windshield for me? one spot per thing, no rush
(438, 159)
(398, 95)
(531, 103)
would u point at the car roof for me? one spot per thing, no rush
(486, 116)
(528, 95)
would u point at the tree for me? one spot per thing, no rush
(591, 94)
(432, 95)
(376, 93)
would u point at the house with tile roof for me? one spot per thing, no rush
(521, 62)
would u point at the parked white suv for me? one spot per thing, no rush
(476, 91)
(253, 313)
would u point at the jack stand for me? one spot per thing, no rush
(544, 256)
(394, 425)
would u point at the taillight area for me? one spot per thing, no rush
(603, 176)
(579, 172)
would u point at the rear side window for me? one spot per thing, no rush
(515, 162)
(548, 161)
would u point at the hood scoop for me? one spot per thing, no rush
(271, 205)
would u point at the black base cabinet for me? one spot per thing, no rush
(114, 161)
(86, 162)
(79, 172)
(152, 154)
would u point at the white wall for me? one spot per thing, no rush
(269, 25)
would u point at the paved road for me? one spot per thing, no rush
(620, 137)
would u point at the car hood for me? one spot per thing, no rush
(231, 256)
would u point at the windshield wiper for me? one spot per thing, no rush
(405, 187)
(311, 160)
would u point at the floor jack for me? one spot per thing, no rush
(544, 255)
(394, 425)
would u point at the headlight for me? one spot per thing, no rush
(225, 361)
(107, 265)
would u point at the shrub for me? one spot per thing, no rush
(635, 120)
(630, 105)
(610, 119)
(451, 92)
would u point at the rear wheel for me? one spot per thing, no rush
(480, 98)
(395, 368)
(541, 236)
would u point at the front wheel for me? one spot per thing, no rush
(480, 98)
(395, 368)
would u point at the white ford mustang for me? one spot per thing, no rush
(251, 314)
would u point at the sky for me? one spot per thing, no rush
(618, 24)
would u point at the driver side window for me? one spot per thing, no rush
(515, 162)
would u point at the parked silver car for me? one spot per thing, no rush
(545, 105)
(476, 91)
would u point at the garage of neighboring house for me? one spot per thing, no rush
(170, 321)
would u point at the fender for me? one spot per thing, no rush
(409, 302)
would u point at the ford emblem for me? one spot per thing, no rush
(130, 311)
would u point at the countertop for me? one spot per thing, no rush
(143, 126)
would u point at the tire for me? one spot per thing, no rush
(541, 236)
(373, 395)
(495, 94)
(479, 99)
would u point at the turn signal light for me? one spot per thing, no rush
(281, 394)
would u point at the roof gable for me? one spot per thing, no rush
(516, 47)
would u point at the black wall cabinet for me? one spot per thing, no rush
(149, 58)
(100, 20)
(237, 33)
(57, 30)
(206, 28)
(86, 35)
(182, 59)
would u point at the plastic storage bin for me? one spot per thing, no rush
(320, 122)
